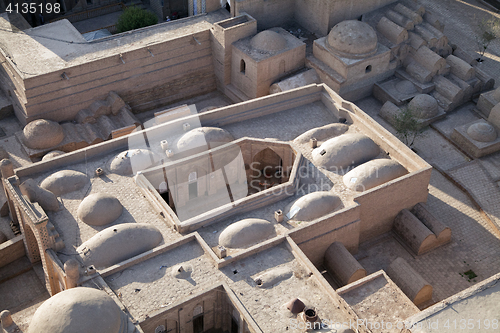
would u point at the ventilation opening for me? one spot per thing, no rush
(242, 66)
(368, 69)
(323, 152)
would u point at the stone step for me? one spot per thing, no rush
(105, 126)
(125, 118)
(73, 134)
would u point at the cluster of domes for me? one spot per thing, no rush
(352, 39)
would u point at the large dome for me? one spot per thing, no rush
(352, 39)
(77, 310)
(268, 41)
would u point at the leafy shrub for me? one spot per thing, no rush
(135, 18)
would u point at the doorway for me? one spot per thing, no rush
(198, 324)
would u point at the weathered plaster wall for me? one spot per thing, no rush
(269, 13)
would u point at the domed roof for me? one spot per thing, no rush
(198, 138)
(268, 41)
(131, 161)
(246, 232)
(118, 243)
(424, 106)
(77, 310)
(99, 209)
(312, 206)
(42, 134)
(352, 39)
(482, 132)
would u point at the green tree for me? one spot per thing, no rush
(489, 30)
(135, 18)
(407, 126)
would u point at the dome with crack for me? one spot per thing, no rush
(352, 39)
(99, 209)
(79, 310)
(345, 150)
(312, 206)
(268, 41)
(42, 134)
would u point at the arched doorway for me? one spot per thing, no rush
(267, 169)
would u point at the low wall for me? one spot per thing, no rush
(11, 250)
(316, 236)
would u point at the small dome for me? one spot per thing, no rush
(99, 209)
(312, 206)
(42, 134)
(268, 41)
(406, 87)
(246, 232)
(200, 137)
(424, 106)
(131, 161)
(118, 243)
(373, 173)
(77, 310)
(65, 181)
(52, 154)
(352, 39)
(482, 132)
(345, 150)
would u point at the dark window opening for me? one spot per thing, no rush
(242, 66)
(368, 69)
(198, 324)
(193, 190)
(234, 325)
(228, 7)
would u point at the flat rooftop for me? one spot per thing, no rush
(59, 45)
